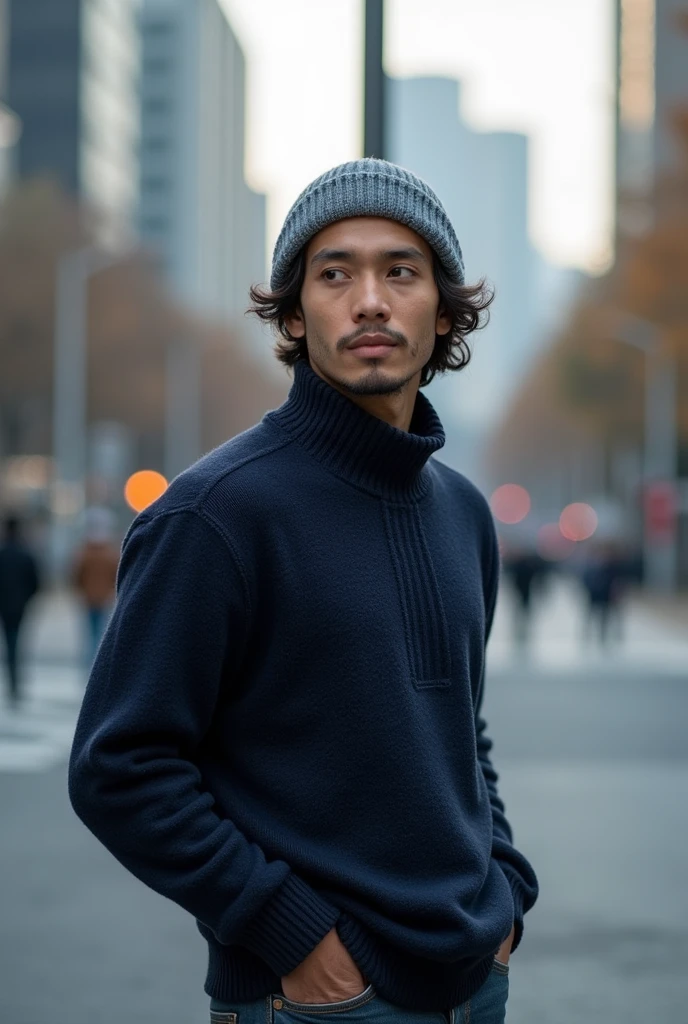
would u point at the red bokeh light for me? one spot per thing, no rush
(578, 521)
(510, 503)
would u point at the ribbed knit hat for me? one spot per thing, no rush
(367, 188)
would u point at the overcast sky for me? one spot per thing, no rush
(539, 66)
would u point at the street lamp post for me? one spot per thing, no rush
(70, 362)
(182, 406)
(660, 457)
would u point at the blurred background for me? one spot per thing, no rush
(149, 151)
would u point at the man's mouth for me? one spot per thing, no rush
(373, 346)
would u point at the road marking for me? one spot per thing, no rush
(38, 735)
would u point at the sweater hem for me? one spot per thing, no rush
(406, 980)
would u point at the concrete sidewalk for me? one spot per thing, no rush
(652, 636)
(55, 630)
(38, 735)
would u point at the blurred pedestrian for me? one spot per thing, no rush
(604, 579)
(283, 731)
(19, 582)
(524, 569)
(94, 575)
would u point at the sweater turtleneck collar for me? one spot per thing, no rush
(357, 446)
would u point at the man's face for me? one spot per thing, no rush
(369, 305)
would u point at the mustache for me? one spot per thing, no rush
(371, 329)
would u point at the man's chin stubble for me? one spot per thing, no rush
(374, 384)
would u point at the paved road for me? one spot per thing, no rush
(593, 751)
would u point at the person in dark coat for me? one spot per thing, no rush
(524, 568)
(19, 582)
(604, 580)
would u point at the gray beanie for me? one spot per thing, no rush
(367, 188)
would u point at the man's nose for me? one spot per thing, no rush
(370, 301)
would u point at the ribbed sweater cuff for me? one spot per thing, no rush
(519, 897)
(289, 926)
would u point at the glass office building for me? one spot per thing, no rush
(72, 77)
(196, 209)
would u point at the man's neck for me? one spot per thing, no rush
(395, 408)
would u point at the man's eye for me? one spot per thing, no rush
(402, 272)
(331, 275)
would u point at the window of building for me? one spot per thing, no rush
(156, 65)
(157, 29)
(155, 183)
(155, 225)
(157, 105)
(157, 144)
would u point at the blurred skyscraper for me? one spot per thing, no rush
(482, 179)
(10, 125)
(196, 208)
(73, 80)
(652, 79)
(671, 77)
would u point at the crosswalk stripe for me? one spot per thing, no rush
(38, 736)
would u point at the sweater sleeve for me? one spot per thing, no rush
(174, 640)
(518, 872)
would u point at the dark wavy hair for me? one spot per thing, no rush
(468, 306)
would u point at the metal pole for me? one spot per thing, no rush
(182, 406)
(661, 460)
(618, 134)
(374, 135)
(660, 457)
(69, 403)
(70, 396)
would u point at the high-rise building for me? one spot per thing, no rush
(652, 79)
(671, 77)
(73, 79)
(196, 208)
(10, 125)
(482, 179)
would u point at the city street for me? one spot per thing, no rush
(593, 751)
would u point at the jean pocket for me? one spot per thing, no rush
(223, 1017)
(280, 1002)
(499, 968)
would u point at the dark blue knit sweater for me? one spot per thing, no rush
(282, 729)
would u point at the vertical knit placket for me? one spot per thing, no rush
(424, 619)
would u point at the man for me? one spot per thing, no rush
(18, 584)
(282, 730)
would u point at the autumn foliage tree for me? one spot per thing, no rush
(587, 387)
(132, 319)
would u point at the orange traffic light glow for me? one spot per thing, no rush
(143, 488)
(510, 503)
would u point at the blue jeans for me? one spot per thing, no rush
(487, 1006)
(97, 621)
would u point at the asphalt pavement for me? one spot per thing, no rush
(592, 747)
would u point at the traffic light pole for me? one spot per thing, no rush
(660, 459)
(374, 133)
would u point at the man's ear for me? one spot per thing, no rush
(443, 323)
(295, 323)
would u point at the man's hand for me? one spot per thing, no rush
(327, 975)
(504, 950)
